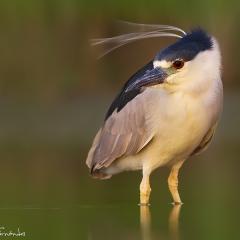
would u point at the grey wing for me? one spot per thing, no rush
(205, 141)
(124, 133)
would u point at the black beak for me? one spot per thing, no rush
(150, 78)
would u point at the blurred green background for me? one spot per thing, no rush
(53, 97)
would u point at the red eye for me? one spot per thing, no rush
(178, 64)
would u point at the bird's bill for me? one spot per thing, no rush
(150, 78)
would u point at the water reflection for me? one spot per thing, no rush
(145, 221)
(174, 222)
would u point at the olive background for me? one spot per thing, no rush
(54, 94)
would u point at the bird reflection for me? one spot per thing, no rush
(145, 220)
(173, 221)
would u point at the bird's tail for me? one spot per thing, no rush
(96, 173)
(99, 174)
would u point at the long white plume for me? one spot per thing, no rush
(148, 27)
(146, 31)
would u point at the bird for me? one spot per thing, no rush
(167, 112)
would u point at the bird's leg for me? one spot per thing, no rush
(145, 189)
(173, 182)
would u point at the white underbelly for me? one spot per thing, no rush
(179, 128)
(173, 144)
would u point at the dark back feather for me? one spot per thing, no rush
(124, 97)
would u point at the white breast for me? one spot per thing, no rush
(181, 122)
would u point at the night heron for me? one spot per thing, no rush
(165, 113)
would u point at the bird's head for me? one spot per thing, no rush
(192, 63)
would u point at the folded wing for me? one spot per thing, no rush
(124, 133)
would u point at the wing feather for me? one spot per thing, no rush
(205, 141)
(124, 133)
(93, 148)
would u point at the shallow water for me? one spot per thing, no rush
(121, 222)
(47, 193)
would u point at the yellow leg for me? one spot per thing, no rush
(145, 190)
(173, 182)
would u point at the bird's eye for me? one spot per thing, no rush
(178, 64)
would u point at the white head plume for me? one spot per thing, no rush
(147, 31)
